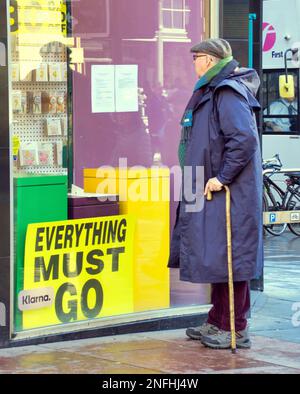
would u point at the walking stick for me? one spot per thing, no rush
(229, 259)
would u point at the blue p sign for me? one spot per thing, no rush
(272, 217)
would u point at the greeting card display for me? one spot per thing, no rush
(55, 72)
(39, 76)
(60, 101)
(41, 73)
(64, 72)
(23, 103)
(44, 153)
(37, 103)
(53, 127)
(28, 154)
(59, 153)
(52, 107)
(16, 101)
(64, 126)
(15, 72)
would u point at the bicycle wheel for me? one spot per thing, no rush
(294, 204)
(271, 206)
(265, 209)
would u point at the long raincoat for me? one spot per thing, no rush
(224, 140)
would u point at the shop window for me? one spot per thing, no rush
(87, 94)
(280, 115)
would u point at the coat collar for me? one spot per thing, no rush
(205, 93)
(225, 72)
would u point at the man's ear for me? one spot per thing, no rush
(211, 60)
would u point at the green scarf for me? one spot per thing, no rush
(204, 80)
(212, 72)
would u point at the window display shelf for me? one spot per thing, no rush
(40, 121)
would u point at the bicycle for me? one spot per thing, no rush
(273, 197)
(293, 203)
(277, 199)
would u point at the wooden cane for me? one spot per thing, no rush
(229, 260)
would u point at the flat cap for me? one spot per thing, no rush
(215, 47)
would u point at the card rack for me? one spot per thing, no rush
(30, 127)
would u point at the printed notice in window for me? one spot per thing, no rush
(126, 79)
(103, 88)
(114, 88)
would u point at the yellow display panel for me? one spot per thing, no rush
(77, 270)
(143, 193)
(286, 87)
(38, 16)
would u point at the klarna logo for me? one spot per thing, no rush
(35, 298)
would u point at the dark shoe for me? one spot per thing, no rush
(204, 329)
(222, 340)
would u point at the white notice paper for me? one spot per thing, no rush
(126, 79)
(103, 88)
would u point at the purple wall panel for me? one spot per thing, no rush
(107, 33)
(126, 33)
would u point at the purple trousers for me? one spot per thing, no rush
(219, 314)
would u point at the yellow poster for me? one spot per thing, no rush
(38, 16)
(77, 270)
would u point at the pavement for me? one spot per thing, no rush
(274, 325)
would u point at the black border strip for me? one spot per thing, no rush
(5, 198)
(166, 323)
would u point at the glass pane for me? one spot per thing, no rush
(178, 20)
(274, 104)
(178, 4)
(167, 19)
(92, 88)
(40, 128)
(167, 3)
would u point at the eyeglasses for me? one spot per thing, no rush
(195, 56)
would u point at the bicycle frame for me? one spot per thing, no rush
(285, 195)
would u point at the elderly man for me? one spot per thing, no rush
(219, 133)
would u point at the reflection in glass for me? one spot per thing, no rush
(178, 20)
(285, 110)
(55, 121)
(167, 19)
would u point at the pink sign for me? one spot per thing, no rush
(269, 35)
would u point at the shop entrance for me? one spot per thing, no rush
(86, 87)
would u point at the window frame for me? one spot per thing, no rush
(184, 11)
(266, 100)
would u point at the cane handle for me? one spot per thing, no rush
(209, 195)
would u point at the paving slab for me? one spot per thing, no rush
(164, 352)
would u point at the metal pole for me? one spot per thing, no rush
(252, 17)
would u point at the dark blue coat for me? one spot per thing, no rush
(224, 139)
